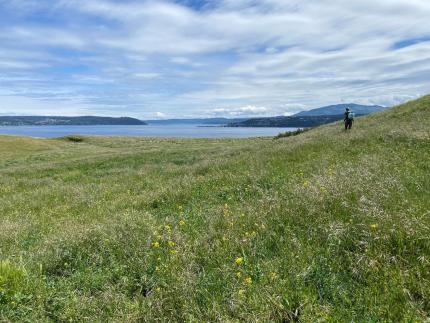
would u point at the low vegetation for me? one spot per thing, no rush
(327, 225)
(292, 133)
(74, 138)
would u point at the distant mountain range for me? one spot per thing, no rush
(339, 109)
(311, 118)
(287, 122)
(70, 121)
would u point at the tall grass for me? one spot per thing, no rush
(327, 225)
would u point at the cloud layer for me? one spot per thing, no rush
(195, 58)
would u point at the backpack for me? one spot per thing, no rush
(351, 115)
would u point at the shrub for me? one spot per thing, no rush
(74, 138)
(292, 133)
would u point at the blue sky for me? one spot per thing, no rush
(195, 58)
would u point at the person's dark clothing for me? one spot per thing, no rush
(347, 120)
(348, 124)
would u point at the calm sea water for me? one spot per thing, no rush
(187, 131)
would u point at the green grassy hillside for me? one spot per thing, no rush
(326, 225)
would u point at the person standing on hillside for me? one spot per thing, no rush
(348, 118)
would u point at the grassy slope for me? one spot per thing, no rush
(327, 224)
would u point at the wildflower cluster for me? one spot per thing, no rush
(163, 244)
(247, 281)
(182, 221)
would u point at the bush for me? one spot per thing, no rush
(74, 138)
(292, 133)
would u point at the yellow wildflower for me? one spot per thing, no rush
(248, 280)
(180, 207)
(182, 222)
(226, 210)
(238, 274)
(173, 252)
(323, 189)
(157, 268)
(239, 260)
(241, 292)
(171, 244)
(374, 226)
(158, 289)
(305, 184)
(273, 275)
(167, 227)
(156, 244)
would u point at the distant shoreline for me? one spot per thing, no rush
(71, 125)
(164, 131)
(15, 121)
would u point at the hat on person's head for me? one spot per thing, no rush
(347, 109)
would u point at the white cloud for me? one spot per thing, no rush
(180, 60)
(240, 111)
(146, 75)
(19, 105)
(282, 55)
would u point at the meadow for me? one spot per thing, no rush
(326, 225)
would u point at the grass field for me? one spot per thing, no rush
(325, 225)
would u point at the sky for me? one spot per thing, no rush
(209, 58)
